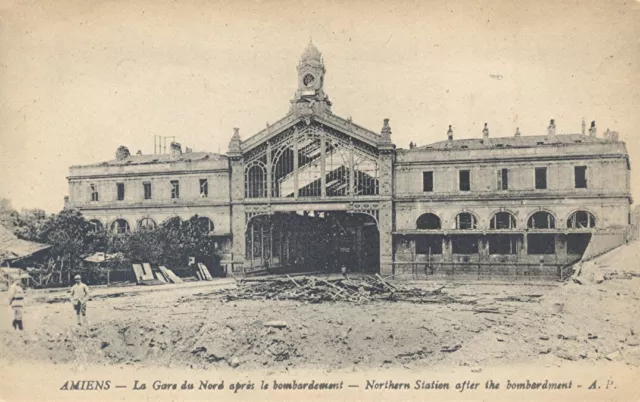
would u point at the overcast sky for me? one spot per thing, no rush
(79, 78)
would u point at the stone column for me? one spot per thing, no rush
(484, 247)
(447, 253)
(385, 227)
(385, 220)
(238, 218)
(561, 248)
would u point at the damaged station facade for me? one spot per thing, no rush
(315, 191)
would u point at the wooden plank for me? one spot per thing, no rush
(205, 271)
(137, 268)
(148, 273)
(200, 273)
(170, 275)
(166, 275)
(160, 277)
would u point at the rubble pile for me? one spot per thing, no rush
(316, 290)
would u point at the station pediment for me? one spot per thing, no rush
(305, 118)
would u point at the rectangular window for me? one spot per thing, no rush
(503, 179)
(204, 188)
(465, 180)
(502, 244)
(429, 245)
(147, 190)
(120, 191)
(94, 193)
(465, 244)
(175, 189)
(427, 181)
(577, 243)
(540, 244)
(541, 178)
(580, 175)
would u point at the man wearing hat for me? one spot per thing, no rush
(16, 301)
(79, 296)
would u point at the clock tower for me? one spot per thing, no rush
(311, 71)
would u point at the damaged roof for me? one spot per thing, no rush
(527, 141)
(12, 248)
(159, 159)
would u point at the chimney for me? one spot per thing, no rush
(485, 132)
(517, 132)
(584, 127)
(551, 130)
(122, 153)
(176, 149)
(610, 135)
(592, 130)
(614, 136)
(450, 134)
(386, 131)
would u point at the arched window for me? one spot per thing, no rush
(256, 181)
(503, 220)
(541, 220)
(206, 224)
(146, 224)
(95, 226)
(581, 220)
(120, 226)
(428, 221)
(173, 222)
(312, 161)
(466, 220)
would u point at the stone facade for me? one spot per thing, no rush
(456, 204)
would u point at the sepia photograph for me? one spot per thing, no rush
(323, 200)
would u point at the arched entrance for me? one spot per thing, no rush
(310, 241)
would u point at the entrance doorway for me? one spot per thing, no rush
(312, 241)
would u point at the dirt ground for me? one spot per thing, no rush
(547, 323)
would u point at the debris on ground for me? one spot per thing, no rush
(361, 289)
(276, 324)
(310, 322)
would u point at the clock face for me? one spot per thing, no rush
(308, 80)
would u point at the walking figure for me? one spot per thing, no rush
(16, 301)
(79, 297)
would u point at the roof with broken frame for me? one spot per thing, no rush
(12, 248)
(522, 141)
(160, 159)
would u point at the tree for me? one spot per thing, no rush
(9, 217)
(144, 245)
(171, 243)
(30, 224)
(69, 235)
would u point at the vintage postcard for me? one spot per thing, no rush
(319, 200)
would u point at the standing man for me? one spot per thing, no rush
(16, 301)
(344, 271)
(79, 296)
